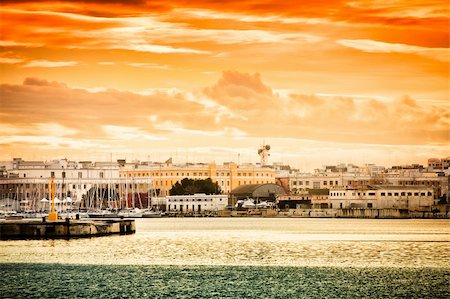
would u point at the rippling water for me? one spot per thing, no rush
(239, 257)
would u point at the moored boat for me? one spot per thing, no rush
(103, 214)
(151, 214)
(131, 213)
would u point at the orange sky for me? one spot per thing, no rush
(201, 81)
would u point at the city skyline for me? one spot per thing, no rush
(337, 82)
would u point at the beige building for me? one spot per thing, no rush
(228, 176)
(414, 198)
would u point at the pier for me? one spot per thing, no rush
(64, 229)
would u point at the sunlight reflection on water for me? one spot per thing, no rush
(252, 241)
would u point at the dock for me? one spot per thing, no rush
(25, 229)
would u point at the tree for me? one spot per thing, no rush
(190, 186)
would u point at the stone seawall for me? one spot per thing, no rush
(64, 229)
(362, 213)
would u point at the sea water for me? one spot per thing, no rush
(237, 258)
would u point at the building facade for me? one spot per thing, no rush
(196, 203)
(383, 197)
(85, 184)
(228, 176)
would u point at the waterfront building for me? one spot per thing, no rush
(228, 176)
(299, 182)
(412, 198)
(439, 164)
(362, 177)
(82, 184)
(114, 184)
(196, 203)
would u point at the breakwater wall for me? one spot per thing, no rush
(64, 229)
(363, 213)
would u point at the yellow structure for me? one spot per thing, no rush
(52, 216)
(227, 176)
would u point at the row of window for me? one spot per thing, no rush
(353, 193)
(384, 194)
(325, 183)
(406, 193)
(190, 199)
(187, 174)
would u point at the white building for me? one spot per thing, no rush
(299, 182)
(384, 197)
(196, 203)
(81, 184)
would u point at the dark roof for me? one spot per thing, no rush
(246, 188)
(258, 190)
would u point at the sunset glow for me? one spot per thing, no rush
(201, 81)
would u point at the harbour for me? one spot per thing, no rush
(25, 229)
(238, 257)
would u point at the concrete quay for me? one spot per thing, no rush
(64, 229)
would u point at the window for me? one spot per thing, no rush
(369, 205)
(396, 194)
(383, 194)
(371, 193)
(101, 175)
(416, 193)
(331, 183)
(389, 194)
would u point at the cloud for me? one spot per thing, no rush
(50, 64)
(334, 118)
(372, 46)
(177, 128)
(129, 133)
(40, 82)
(239, 110)
(10, 60)
(11, 43)
(240, 91)
(146, 65)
